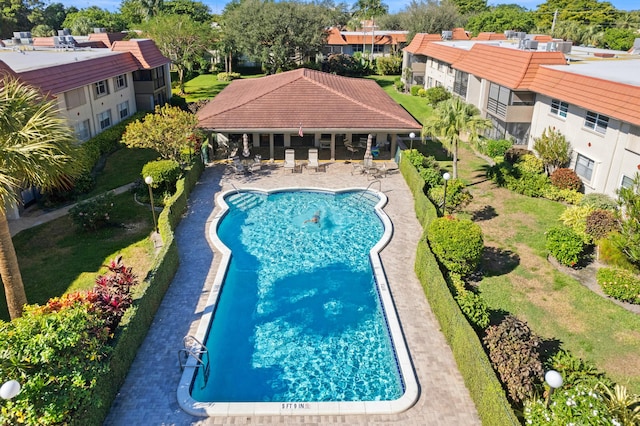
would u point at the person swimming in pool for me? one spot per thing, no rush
(315, 218)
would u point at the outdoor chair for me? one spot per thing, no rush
(290, 161)
(313, 161)
(237, 165)
(256, 165)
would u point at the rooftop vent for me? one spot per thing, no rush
(64, 32)
(520, 35)
(99, 30)
(447, 35)
(563, 46)
(530, 44)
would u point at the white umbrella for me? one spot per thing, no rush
(245, 146)
(368, 157)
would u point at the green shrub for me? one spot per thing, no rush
(575, 217)
(399, 85)
(609, 253)
(57, 355)
(228, 76)
(431, 176)
(600, 223)
(457, 195)
(566, 179)
(497, 148)
(530, 164)
(564, 245)
(388, 65)
(93, 214)
(474, 308)
(575, 370)
(164, 173)
(514, 353)
(437, 94)
(619, 284)
(457, 243)
(578, 405)
(599, 201)
(422, 93)
(568, 196)
(414, 90)
(514, 154)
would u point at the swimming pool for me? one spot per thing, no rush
(310, 326)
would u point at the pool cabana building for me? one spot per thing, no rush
(304, 108)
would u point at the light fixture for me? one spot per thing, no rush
(446, 176)
(149, 180)
(9, 389)
(554, 380)
(412, 135)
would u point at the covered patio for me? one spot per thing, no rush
(304, 109)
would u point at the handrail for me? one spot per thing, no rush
(234, 187)
(369, 186)
(192, 348)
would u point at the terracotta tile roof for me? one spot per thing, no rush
(144, 50)
(543, 38)
(490, 36)
(107, 39)
(460, 34)
(444, 52)
(512, 68)
(612, 98)
(420, 41)
(43, 42)
(334, 37)
(307, 98)
(379, 39)
(61, 78)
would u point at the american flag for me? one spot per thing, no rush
(300, 131)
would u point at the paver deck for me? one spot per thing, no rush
(148, 396)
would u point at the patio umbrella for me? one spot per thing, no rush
(368, 157)
(245, 146)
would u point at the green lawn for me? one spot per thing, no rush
(205, 86)
(416, 105)
(122, 167)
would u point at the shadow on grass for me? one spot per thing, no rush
(496, 261)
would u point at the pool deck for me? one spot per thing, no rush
(148, 396)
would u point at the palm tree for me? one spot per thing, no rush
(369, 10)
(36, 149)
(450, 119)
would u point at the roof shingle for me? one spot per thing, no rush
(307, 98)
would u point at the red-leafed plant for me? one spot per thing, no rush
(566, 179)
(113, 292)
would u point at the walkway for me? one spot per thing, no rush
(148, 395)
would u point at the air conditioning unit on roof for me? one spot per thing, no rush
(447, 35)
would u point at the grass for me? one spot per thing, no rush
(56, 257)
(520, 280)
(205, 86)
(415, 105)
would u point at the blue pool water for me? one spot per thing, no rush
(299, 317)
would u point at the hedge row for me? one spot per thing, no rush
(149, 294)
(479, 377)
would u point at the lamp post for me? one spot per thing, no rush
(149, 180)
(412, 135)
(554, 380)
(446, 178)
(9, 389)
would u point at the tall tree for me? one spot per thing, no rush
(369, 10)
(277, 34)
(430, 16)
(84, 21)
(451, 119)
(198, 11)
(181, 39)
(584, 12)
(470, 7)
(37, 148)
(137, 11)
(500, 18)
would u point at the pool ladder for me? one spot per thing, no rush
(195, 349)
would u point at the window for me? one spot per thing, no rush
(104, 119)
(123, 110)
(627, 182)
(498, 100)
(101, 88)
(75, 98)
(82, 130)
(559, 108)
(460, 84)
(120, 82)
(584, 167)
(597, 122)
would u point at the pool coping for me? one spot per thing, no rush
(403, 360)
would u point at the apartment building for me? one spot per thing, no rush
(97, 81)
(369, 39)
(527, 83)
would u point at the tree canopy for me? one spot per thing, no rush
(430, 16)
(501, 18)
(585, 12)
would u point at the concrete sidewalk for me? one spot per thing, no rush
(39, 217)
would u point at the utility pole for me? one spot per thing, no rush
(553, 25)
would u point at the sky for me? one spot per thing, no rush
(394, 5)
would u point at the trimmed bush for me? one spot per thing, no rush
(432, 177)
(564, 245)
(437, 94)
(457, 195)
(497, 148)
(575, 217)
(457, 243)
(600, 223)
(619, 284)
(415, 90)
(93, 214)
(399, 85)
(388, 65)
(422, 93)
(566, 179)
(599, 201)
(575, 370)
(164, 173)
(514, 154)
(514, 353)
(228, 76)
(569, 196)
